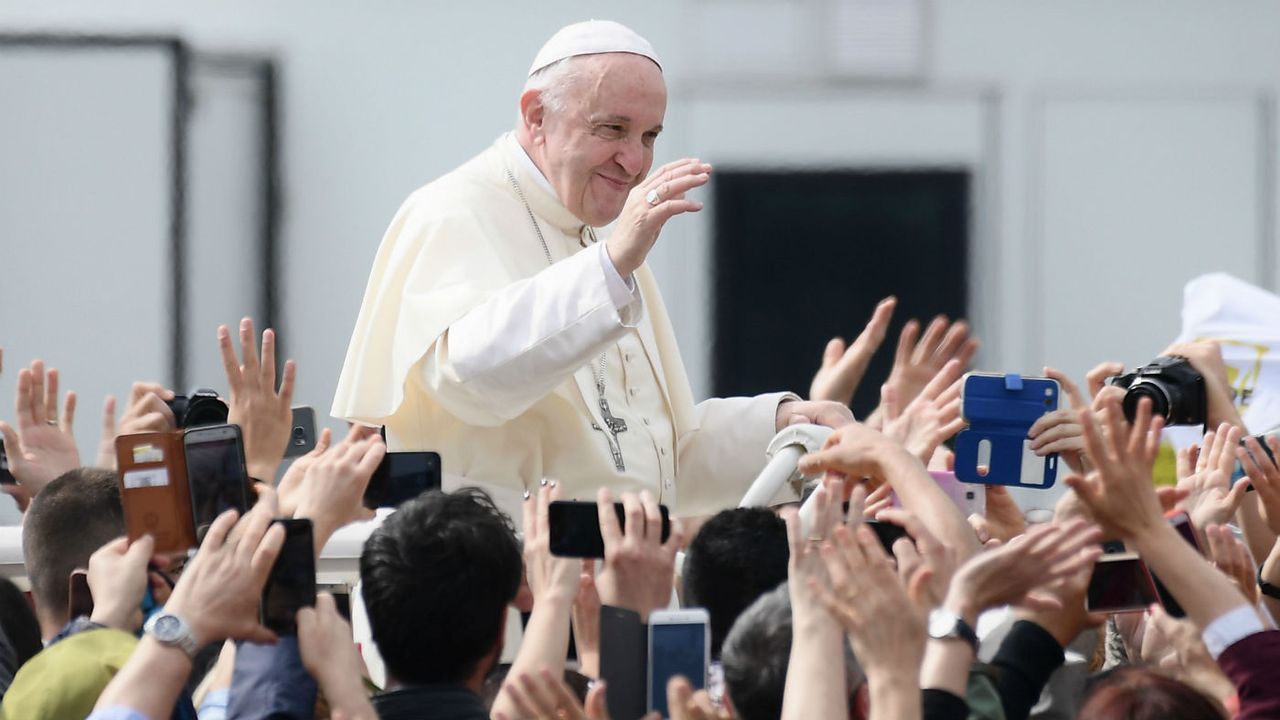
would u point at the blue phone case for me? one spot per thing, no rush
(1000, 410)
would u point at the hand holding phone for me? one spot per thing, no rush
(1121, 583)
(679, 644)
(402, 476)
(154, 490)
(302, 433)
(292, 583)
(215, 472)
(575, 527)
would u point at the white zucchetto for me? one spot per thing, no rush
(592, 37)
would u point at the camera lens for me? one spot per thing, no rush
(1153, 389)
(298, 432)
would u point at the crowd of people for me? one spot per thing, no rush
(981, 616)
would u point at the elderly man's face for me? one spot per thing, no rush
(601, 144)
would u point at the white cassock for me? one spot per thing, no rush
(470, 343)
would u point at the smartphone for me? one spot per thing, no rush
(6, 478)
(302, 436)
(1120, 583)
(215, 472)
(575, 527)
(402, 476)
(80, 599)
(154, 490)
(679, 644)
(888, 533)
(1000, 409)
(623, 661)
(1181, 522)
(292, 583)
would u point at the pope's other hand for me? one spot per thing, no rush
(649, 206)
(814, 412)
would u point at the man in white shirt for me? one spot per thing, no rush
(497, 330)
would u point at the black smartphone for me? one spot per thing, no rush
(80, 598)
(624, 660)
(292, 583)
(1120, 583)
(6, 478)
(302, 434)
(575, 527)
(215, 473)
(888, 533)
(1181, 522)
(402, 476)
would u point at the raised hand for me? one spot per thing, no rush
(332, 491)
(928, 420)
(1211, 498)
(919, 359)
(639, 568)
(1119, 492)
(147, 411)
(644, 214)
(331, 657)
(1264, 475)
(926, 553)
(263, 413)
(843, 367)
(1059, 431)
(1206, 357)
(586, 621)
(43, 446)
(118, 580)
(544, 696)
(1232, 557)
(291, 485)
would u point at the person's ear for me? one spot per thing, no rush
(533, 114)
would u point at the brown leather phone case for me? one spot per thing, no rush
(153, 488)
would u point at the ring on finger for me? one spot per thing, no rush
(652, 197)
(52, 422)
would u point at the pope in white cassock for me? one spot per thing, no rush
(498, 329)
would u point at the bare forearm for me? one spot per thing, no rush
(895, 697)
(150, 682)
(1202, 590)
(815, 678)
(545, 645)
(1257, 534)
(922, 496)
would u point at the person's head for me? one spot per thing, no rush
(67, 521)
(589, 121)
(736, 557)
(1140, 693)
(755, 657)
(437, 576)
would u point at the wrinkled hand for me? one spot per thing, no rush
(43, 446)
(1009, 574)
(1211, 498)
(551, 579)
(639, 568)
(1119, 492)
(1264, 475)
(329, 654)
(118, 580)
(146, 412)
(263, 414)
(815, 412)
(916, 363)
(1231, 556)
(637, 227)
(930, 419)
(221, 589)
(332, 491)
(843, 368)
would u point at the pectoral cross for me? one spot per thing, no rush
(613, 426)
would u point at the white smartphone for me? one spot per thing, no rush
(679, 644)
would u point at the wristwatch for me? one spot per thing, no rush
(1266, 588)
(171, 630)
(946, 625)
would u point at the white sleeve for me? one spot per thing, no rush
(622, 291)
(720, 459)
(512, 350)
(1230, 628)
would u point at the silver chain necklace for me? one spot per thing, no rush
(613, 425)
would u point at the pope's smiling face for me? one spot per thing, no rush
(600, 144)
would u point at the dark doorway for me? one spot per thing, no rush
(801, 257)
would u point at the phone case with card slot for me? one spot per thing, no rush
(1000, 410)
(153, 489)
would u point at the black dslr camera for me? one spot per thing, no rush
(1175, 387)
(201, 407)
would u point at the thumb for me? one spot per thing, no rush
(595, 706)
(1237, 493)
(141, 550)
(834, 351)
(12, 447)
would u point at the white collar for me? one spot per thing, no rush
(523, 158)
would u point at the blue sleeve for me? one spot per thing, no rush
(117, 713)
(269, 683)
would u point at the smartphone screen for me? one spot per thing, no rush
(575, 528)
(302, 434)
(402, 476)
(81, 599)
(215, 473)
(676, 648)
(292, 584)
(623, 645)
(1120, 584)
(1181, 522)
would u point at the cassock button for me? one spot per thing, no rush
(668, 482)
(663, 451)
(627, 357)
(632, 391)
(646, 420)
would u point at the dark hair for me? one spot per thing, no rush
(68, 520)
(756, 654)
(736, 557)
(18, 622)
(1140, 693)
(437, 577)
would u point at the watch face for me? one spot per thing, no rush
(167, 627)
(941, 624)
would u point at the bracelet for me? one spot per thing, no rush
(1266, 588)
